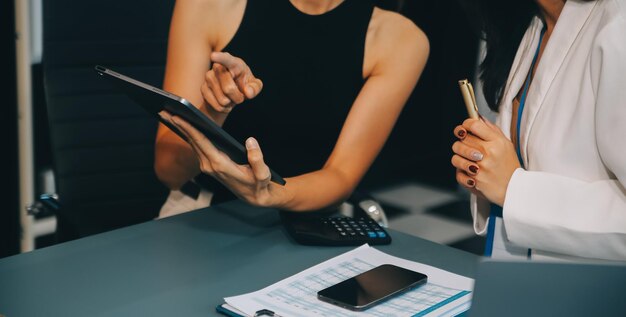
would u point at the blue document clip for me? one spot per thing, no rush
(265, 312)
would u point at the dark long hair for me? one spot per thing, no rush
(502, 24)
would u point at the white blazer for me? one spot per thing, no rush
(571, 198)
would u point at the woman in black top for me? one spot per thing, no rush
(319, 84)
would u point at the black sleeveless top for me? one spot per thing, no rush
(312, 71)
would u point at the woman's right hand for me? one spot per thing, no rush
(485, 159)
(229, 82)
(466, 177)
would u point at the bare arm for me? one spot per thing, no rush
(194, 34)
(399, 51)
(396, 53)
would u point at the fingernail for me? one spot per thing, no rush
(470, 182)
(252, 144)
(473, 169)
(477, 156)
(461, 133)
(249, 91)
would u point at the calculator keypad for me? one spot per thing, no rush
(364, 229)
(334, 230)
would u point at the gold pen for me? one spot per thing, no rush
(470, 99)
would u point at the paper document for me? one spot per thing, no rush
(445, 294)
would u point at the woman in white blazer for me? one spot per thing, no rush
(555, 161)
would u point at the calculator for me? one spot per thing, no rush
(334, 230)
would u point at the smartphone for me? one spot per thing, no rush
(467, 91)
(369, 288)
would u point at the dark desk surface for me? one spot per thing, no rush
(178, 266)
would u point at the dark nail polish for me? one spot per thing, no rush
(470, 182)
(473, 169)
(461, 133)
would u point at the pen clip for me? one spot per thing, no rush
(471, 90)
(470, 99)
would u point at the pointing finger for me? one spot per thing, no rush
(235, 65)
(228, 85)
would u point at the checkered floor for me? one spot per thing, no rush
(431, 213)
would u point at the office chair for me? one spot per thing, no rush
(102, 144)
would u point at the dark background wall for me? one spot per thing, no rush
(419, 148)
(9, 237)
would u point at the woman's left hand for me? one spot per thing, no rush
(484, 154)
(250, 182)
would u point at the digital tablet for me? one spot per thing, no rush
(154, 100)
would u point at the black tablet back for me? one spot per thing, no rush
(154, 100)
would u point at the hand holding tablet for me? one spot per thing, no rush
(163, 104)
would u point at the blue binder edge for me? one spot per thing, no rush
(225, 311)
(220, 309)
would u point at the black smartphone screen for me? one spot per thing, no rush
(368, 288)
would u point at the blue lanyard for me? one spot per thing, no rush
(520, 109)
(495, 210)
